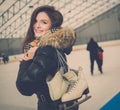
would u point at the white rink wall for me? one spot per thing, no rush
(79, 47)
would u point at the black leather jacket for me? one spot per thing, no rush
(32, 74)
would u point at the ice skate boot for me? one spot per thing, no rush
(78, 86)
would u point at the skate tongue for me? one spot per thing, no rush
(81, 73)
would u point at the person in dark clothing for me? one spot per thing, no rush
(93, 47)
(45, 35)
(5, 58)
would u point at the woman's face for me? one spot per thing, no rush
(42, 24)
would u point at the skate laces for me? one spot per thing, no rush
(72, 86)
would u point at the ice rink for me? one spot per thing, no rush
(102, 87)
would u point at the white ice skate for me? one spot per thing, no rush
(78, 85)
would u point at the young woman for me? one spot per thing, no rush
(44, 36)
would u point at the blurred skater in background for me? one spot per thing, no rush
(95, 55)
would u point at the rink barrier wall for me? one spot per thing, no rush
(15, 58)
(102, 44)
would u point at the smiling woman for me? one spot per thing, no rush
(42, 24)
(45, 35)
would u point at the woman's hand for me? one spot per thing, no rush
(30, 54)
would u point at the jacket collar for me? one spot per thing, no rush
(61, 38)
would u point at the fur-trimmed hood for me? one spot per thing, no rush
(61, 38)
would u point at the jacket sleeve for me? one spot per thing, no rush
(32, 74)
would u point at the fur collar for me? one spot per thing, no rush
(61, 38)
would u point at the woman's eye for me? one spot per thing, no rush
(44, 22)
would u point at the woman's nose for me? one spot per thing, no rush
(37, 24)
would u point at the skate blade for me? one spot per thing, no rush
(65, 107)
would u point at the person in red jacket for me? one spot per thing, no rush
(100, 55)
